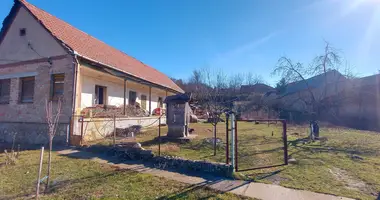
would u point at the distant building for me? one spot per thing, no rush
(348, 102)
(259, 88)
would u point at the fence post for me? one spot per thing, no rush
(233, 142)
(236, 145)
(114, 130)
(215, 138)
(227, 141)
(81, 118)
(159, 135)
(39, 173)
(285, 139)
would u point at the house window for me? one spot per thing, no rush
(27, 90)
(132, 98)
(57, 85)
(100, 95)
(4, 90)
(160, 102)
(22, 31)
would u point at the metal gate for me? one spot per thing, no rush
(257, 144)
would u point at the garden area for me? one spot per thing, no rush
(345, 163)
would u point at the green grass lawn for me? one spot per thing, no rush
(84, 179)
(347, 164)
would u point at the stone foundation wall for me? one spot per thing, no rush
(163, 162)
(30, 133)
(173, 162)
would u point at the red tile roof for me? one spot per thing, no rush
(89, 47)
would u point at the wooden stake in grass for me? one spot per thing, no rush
(114, 130)
(39, 173)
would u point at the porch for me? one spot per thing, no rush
(96, 87)
(105, 88)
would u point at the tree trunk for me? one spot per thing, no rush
(49, 164)
(215, 140)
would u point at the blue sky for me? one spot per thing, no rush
(237, 36)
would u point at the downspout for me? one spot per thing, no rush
(75, 65)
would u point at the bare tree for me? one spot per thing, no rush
(52, 120)
(318, 97)
(297, 72)
(214, 99)
(294, 72)
(329, 60)
(251, 79)
(197, 77)
(235, 82)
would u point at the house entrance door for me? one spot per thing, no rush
(100, 95)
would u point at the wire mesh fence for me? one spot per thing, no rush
(150, 133)
(112, 130)
(261, 144)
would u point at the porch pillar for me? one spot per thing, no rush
(166, 95)
(150, 100)
(125, 95)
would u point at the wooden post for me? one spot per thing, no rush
(285, 142)
(114, 130)
(215, 138)
(18, 150)
(236, 145)
(81, 129)
(227, 142)
(39, 173)
(150, 100)
(159, 136)
(125, 95)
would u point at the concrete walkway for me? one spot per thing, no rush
(239, 187)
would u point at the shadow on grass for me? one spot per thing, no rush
(222, 188)
(140, 166)
(262, 176)
(304, 145)
(187, 191)
(162, 140)
(222, 184)
(96, 180)
(61, 185)
(256, 152)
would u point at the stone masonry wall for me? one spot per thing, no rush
(28, 119)
(162, 162)
(31, 133)
(15, 111)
